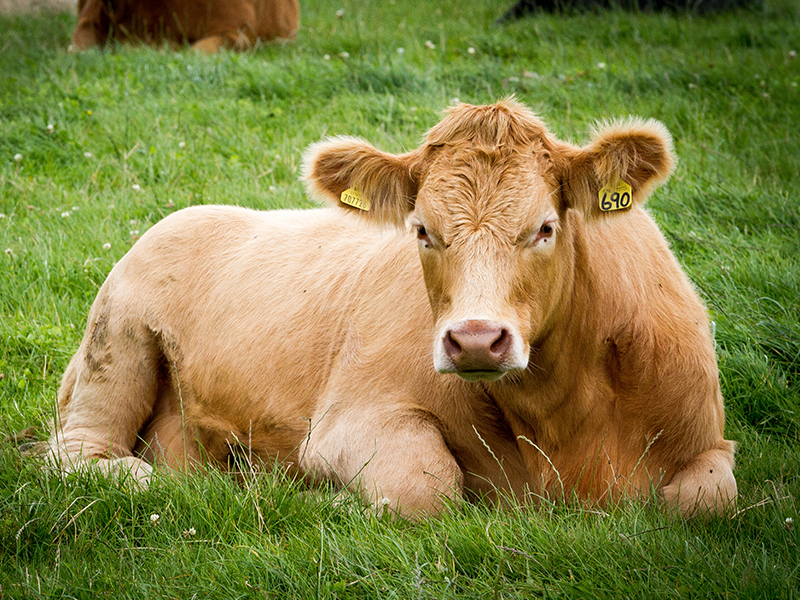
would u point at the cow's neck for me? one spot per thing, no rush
(550, 405)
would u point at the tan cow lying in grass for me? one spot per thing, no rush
(525, 340)
(206, 24)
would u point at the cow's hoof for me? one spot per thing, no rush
(139, 471)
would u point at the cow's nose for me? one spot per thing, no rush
(477, 345)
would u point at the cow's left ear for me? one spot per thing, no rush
(351, 173)
(632, 156)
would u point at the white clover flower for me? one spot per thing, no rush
(327, 57)
(87, 154)
(400, 51)
(154, 518)
(107, 246)
(272, 188)
(18, 157)
(344, 54)
(2, 216)
(50, 128)
(9, 251)
(430, 45)
(74, 208)
(470, 50)
(65, 214)
(340, 13)
(792, 54)
(191, 531)
(181, 144)
(601, 65)
(137, 187)
(455, 100)
(385, 502)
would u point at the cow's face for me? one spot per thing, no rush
(489, 196)
(489, 230)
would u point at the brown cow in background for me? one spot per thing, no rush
(208, 25)
(521, 326)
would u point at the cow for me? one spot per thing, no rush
(491, 315)
(207, 25)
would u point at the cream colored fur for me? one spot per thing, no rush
(309, 337)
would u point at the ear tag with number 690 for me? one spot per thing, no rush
(616, 197)
(351, 197)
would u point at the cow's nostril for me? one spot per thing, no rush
(451, 346)
(502, 344)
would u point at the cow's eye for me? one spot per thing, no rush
(545, 233)
(422, 236)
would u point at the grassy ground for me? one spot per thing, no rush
(110, 142)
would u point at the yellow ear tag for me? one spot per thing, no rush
(617, 197)
(351, 197)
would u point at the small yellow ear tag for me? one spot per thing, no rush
(351, 197)
(617, 197)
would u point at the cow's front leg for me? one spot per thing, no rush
(704, 485)
(394, 457)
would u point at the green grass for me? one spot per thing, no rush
(231, 128)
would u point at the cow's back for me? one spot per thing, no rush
(249, 307)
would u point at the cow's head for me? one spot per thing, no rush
(493, 197)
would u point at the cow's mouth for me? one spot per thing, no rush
(481, 375)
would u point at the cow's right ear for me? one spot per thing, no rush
(385, 185)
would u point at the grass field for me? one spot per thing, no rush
(95, 148)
